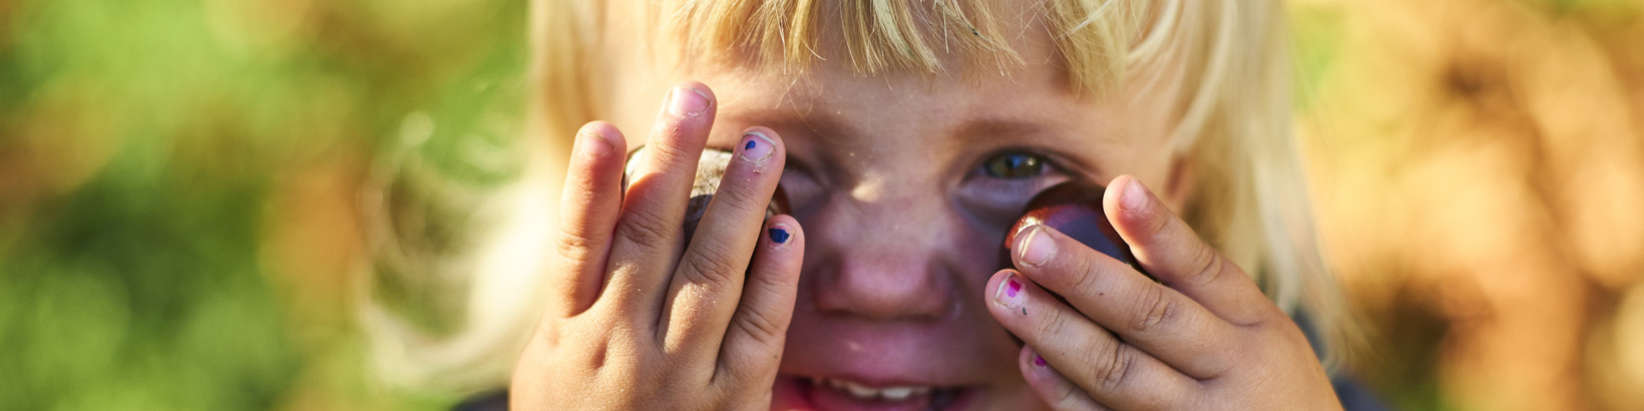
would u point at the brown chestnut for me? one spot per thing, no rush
(710, 169)
(1075, 209)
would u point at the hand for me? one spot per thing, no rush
(636, 322)
(1204, 337)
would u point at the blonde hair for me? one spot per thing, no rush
(1233, 112)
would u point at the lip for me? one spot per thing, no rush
(951, 352)
(804, 393)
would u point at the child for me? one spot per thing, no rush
(907, 137)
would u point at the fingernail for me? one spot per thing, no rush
(1134, 196)
(756, 147)
(778, 235)
(1036, 247)
(592, 143)
(1010, 293)
(1039, 361)
(687, 102)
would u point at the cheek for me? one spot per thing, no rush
(1150, 159)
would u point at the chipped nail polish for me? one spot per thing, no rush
(1010, 293)
(778, 235)
(1039, 361)
(756, 147)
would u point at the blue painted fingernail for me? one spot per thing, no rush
(778, 235)
(756, 148)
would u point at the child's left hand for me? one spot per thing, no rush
(1204, 337)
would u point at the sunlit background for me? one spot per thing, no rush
(183, 186)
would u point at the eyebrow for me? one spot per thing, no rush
(818, 123)
(824, 123)
(1025, 134)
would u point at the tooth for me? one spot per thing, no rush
(836, 384)
(896, 393)
(861, 391)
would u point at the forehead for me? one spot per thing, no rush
(968, 93)
(932, 111)
(1033, 96)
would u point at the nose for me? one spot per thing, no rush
(888, 260)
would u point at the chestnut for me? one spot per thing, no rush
(710, 169)
(1075, 209)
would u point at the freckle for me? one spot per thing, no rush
(1024, 310)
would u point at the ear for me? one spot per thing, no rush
(1180, 182)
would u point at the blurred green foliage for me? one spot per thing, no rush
(138, 283)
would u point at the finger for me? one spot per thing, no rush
(1052, 388)
(1148, 315)
(1110, 371)
(1169, 250)
(589, 206)
(708, 281)
(752, 348)
(647, 239)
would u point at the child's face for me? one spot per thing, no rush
(905, 185)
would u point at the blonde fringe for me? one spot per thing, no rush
(1233, 113)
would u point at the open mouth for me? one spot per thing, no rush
(824, 393)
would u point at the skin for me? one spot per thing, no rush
(892, 280)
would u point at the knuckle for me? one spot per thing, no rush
(574, 245)
(1210, 266)
(667, 149)
(736, 195)
(1113, 367)
(707, 263)
(1086, 276)
(761, 327)
(647, 229)
(1157, 308)
(1052, 323)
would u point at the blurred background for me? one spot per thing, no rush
(184, 187)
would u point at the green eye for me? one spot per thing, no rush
(1014, 165)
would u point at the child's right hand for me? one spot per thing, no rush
(635, 322)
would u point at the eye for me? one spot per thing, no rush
(1014, 165)
(998, 187)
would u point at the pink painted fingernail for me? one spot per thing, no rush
(1010, 293)
(1036, 247)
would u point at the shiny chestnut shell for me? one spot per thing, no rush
(1075, 209)
(710, 169)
